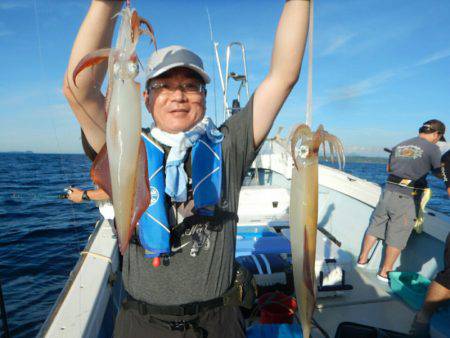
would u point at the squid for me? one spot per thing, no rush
(120, 168)
(303, 210)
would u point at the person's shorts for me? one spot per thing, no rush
(225, 321)
(393, 218)
(443, 277)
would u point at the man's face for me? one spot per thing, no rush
(173, 109)
(436, 137)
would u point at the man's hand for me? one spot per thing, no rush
(287, 56)
(75, 195)
(86, 99)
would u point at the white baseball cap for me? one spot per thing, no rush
(171, 57)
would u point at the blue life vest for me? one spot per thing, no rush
(206, 159)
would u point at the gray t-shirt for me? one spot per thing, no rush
(413, 159)
(189, 279)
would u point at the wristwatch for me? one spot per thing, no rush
(85, 196)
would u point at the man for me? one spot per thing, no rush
(78, 195)
(185, 295)
(99, 196)
(396, 212)
(438, 292)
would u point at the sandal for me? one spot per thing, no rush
(382, 278)
(362, 265)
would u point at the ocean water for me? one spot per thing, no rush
(43, 235)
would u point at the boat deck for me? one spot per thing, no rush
(369, 303)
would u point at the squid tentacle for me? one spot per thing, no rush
(147, 31)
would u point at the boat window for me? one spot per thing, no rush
(265, 177)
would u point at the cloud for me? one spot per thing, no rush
(5, 6)
(337, 43)
(434, 57)
(5, 33)
(373, 83)
(362, 87)
(365, 151)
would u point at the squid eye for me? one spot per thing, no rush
(116, 69)
(303, 151)
(133, 68)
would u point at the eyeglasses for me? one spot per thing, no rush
(187, 88)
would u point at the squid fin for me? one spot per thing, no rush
(100, 171)
(142, 194)
(100, 175)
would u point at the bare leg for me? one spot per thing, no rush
(390, 257)
(435, 296)
(369, 241)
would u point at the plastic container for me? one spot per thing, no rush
(274, 331)
(276, 308)
(410, 286)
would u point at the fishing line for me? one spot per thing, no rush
(45, 78)
(310, 65)
(212, 62)
(76, 243)
(30, 196)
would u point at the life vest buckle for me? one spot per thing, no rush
(179, 326)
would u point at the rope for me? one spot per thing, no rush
(95, 255)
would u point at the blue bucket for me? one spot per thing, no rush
(275, 331)
(409, 286)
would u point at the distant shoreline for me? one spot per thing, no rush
(348, 158)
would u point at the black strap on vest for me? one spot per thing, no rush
(213, 223)
(190, 309)
(421, 183)
(231, 297)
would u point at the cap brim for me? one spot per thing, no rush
(162, 70)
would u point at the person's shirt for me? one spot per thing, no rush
(189, 279)
(413, 159)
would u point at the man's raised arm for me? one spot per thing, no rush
(285, 67)
(86, 99)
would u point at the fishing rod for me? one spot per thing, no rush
(214, 52)
(320, 328)
(28, 196)
(4, 316)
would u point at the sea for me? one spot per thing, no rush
(42, 235)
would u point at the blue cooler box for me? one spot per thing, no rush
(275, 331)
(410, 286)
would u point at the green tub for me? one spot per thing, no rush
(409, 286)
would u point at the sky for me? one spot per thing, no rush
(381, 67)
